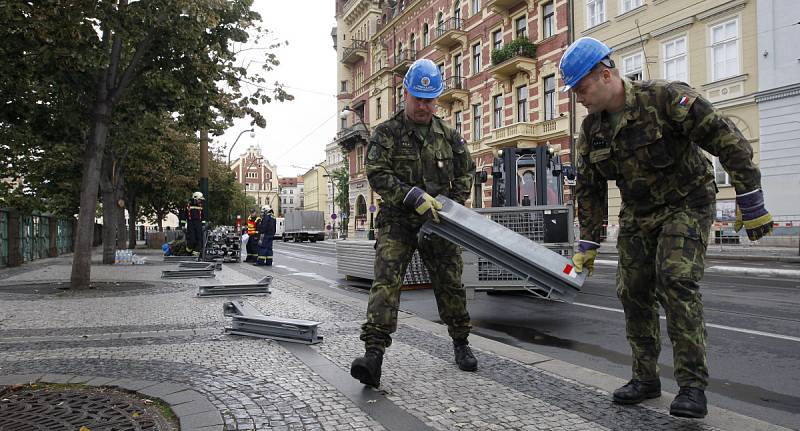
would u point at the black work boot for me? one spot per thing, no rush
(689, 403)
(367, 368)
(464, 358)
(637, 391)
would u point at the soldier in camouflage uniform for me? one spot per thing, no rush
(649, 137)
(411, 158)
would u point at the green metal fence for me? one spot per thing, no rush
(3, 238)
(34, 236)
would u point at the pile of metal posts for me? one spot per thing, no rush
(222, 243)
(194, 270)
(258, 288)
(249, 321)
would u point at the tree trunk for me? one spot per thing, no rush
(109, 210)
(82, 259)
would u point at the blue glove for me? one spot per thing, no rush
(584, 258)
(423, 203)
(751, 214)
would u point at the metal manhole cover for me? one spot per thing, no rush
(55, 407)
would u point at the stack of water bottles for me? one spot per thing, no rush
(127, 257)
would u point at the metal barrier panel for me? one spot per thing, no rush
(549, 225)
(26, 237)
(3, 238)
(64, 236)
(41, 235)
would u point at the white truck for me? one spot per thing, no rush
(279, 227)
(302, 225)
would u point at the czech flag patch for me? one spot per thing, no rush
(684, 101)
(570, 271)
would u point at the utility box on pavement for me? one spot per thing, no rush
(304, 225)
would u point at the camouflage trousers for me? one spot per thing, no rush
(661, 261)
(394, 249)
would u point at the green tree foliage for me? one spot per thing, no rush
(341, 178)
(76, 73)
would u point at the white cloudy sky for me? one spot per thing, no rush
(297, 131)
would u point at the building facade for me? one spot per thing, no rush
(315, 192)
(710, 45)
(291, 193)
(499, 59)
(778, 101)
(257, 176)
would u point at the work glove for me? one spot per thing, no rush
(584, 258)
(751, 214)
(423, 203)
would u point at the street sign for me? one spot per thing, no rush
(333, 216)
(372, 208)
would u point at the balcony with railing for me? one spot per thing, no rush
(449, 34)
(455, 88)
(349, 137)
(517, 56)
(403, 60)
(527, 134)
(357, 51)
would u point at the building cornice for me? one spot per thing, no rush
(778, 93)
(727, 8)
(686, 22)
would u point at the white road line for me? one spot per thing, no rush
(710, 325)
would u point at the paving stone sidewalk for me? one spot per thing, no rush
(163, 334)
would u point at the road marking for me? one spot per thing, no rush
(710, 325)
(315, 276)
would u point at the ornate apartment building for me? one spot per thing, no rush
(500, 62)
(258, 178)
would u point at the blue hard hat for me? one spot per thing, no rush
(580, 58)
(423, 79)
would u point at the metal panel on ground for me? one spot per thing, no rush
(546, 273)
(257, 288)
(249, 321)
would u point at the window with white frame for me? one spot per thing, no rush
(476, 7)
(675, 62)
(497, 105)
(522, 104)
(458, 118)
(476, 58)
(628, 5)
(548, 20)
(457, 66)
(632, 66)
(595, 12)
(497, 39)
(720, 175)
(521, 26)
(725, 50)
(476, 122)
(549, 97)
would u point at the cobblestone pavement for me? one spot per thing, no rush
(163, 332)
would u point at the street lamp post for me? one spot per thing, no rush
(252, 135)
(333, 198)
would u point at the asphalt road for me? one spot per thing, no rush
(753, 325)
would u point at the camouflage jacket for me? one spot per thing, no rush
(398, 158)
(655, 153)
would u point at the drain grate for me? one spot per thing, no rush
(70, 409)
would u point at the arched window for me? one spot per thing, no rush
(412, 44)
(426, 37)
(439, 24)
(399, 50)
(456, 12)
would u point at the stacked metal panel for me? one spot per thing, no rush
(542, 271)
(356, 258)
